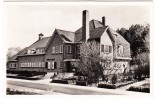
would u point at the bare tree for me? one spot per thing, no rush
(91, 63)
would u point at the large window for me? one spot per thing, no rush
(106, 48)
(68, 48)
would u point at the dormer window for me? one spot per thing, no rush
(40, 50)
(31, 51)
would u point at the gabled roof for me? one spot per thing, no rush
(66, 36)
(117, 37)
(94, 26)
(14, 57)
(39, 43)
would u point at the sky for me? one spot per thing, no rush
(24, 21)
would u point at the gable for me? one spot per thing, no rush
(105, 39)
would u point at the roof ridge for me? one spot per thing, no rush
(64, 30)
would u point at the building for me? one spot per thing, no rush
(55, 53)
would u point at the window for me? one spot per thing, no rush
(78, 49)
(52, 65)
(69, 49)
(42, 64)
(55, 65)
(53, 49)
(120, 49)
(61, 48)
(61, 65)
(49, 65)
(39, 64)
(106, 48)
(110, 49)
(57, 49)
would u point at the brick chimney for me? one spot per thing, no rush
(41, 36)
(103, 20)
(85, 25)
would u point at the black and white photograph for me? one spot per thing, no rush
(77, 48)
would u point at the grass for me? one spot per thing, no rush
(17, 92)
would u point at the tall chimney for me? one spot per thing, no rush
(41, 36)
(85, 25)
(103, 20)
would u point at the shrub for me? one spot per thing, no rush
(60, 81)
(139, 89)
(81, 83)
(114, 79)
(109, 86)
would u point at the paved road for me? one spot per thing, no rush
(47, 87)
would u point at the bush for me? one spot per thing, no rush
(109, 86)
(114, 79)
(81, 83)
(60, 81)
(17, 92)
(139, 89)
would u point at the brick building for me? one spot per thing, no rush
(55, 53)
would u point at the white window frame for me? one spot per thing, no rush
(120, 49)
(56, 49)
(42, 64)
(53, 49)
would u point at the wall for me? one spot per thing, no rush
(57, 41)
(31, 58)
(105, 40)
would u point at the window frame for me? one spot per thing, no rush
(61, 49)
(53, 49)
(69, 49)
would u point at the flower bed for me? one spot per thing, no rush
(17, 92)
(142, 88)
(81, 83)
(105, 85)
(123, 84)
(60, 81)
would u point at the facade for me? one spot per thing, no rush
(55, 53)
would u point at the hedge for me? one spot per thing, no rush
(108, 86)
(81, 83)
(139, 89)
(60, 81)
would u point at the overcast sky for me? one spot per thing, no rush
(24, 21)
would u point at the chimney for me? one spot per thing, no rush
(103, 20)
(41, 36)
(85, 25)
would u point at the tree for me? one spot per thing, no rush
(90, 63)
(12, 51)
(138, 37)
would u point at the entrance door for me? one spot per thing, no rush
(68, 66)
